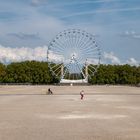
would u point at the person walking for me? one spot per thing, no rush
(49, 91)
(82, 94)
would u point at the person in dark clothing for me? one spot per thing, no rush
(49, 91)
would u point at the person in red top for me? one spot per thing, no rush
(82, 94)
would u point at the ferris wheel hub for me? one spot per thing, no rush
(73, 55)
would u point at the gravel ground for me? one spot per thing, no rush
(106, 113)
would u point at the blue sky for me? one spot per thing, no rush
(29, 25)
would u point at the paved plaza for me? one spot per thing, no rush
(106, 113)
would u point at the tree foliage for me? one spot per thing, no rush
(2, 72)
(116, 74)
(28, 72)
(38, 73)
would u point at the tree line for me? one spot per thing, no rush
(117, 74)
(35, 72)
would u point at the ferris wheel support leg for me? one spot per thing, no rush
(62, 72)
(86, 79)
(86, 72)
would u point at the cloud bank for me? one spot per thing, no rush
(112, 58)
(8, 55)
(133, 62)
(130, 34)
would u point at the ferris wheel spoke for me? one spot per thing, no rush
(77, 37)
(85, 46)
(56, 51)
(91, 66)
(82, 42)
(58, 73)
(90, 42)
(86, 41)
(56, 45)
(62, 39)
(92, 72)
(72, 42)
(67, 67)
(68, 38)
(55, 66)
(89, 55)
(90, 46)
(67, 43)
(59, 46)
(79, 68)
(76, 40)
(56, 54)
(88, 49)
(59, 67)
(65, 73)
(79, 41)
(91, 50)
(63, 42)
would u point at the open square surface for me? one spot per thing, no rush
(106, 113)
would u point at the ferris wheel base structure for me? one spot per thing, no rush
(67, 81)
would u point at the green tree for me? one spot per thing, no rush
(2, 72)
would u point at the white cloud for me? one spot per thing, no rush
(111, 57)
(131, 33)
(8, 54)
(132, 61)
(93, 61)
(55, 57)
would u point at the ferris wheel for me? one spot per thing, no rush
(73, 56)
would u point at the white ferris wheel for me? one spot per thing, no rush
(73, 56)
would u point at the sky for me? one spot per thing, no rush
(28, 26)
